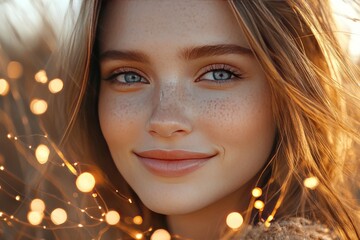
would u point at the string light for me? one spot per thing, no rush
(112, 217)
(38, 106)
(37, 205)
(4, 87)
(311, 182)
(2, 168)
(41, 76)
(138, 236)
(14, 70)
(42, 153)
(85, 182)
(56, 85)
(35, 217)
(138, 220)
(17, 198)
(234, 220)
(58, 216)
(258, 204)
(160, 234)
(256, 192)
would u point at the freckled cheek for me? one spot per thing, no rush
(238, 118)
(121, 116)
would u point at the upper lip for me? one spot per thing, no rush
(173, 154)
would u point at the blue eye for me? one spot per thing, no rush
(127, 77)
(220, 73)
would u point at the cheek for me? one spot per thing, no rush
(241, 123)
(119, 116)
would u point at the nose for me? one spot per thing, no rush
(169, 117)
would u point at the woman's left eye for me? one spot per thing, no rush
(218, 75)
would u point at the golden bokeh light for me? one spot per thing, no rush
(160, 234)
(56, 85)
(138, 220)
(256, 192)
(58, 216)
(35, 217)
(37, 205)
(42, 153)
(234, 220)
(112, 217)
(311, 182)
(4, 87)
(139, 236)
(38, 106)
(14, 70)
(41, 76)
(17, 198)
(85, 182)
(258, 204)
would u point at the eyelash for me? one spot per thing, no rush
(233, 72)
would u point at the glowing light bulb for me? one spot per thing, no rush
(256, 192)
(85, 182)
(38, 106)
(35, 217)
(258, 204)
(138, 236)
(311, 182)
(14, 70)
(42, 153)
(138, 220)
(234, 220)
(58, 216)
(37, 205)
(41, 76)
(160, 234)
(56, 85)
(17, 198)
(2, 168)
(112, 217)
(4, 87)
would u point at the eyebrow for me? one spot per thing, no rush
(214, 50)
(189, 53)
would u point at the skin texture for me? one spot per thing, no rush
(179, 106)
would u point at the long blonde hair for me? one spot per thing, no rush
(314, 102)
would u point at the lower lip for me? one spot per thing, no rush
(172, 168)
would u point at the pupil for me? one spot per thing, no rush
(132, 77)
(221, 75)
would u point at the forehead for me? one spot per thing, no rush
(148, 24)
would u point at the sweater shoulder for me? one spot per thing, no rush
(291, 228)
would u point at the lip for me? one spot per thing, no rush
(174, 163)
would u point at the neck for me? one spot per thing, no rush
(208, 223)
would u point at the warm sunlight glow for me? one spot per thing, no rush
(112, 217)
(311, 182)
(42, 153)
(35, 217)
(37, 205)
(85, 182)
(160, 234)
(4, 87)
(139, 236)
(38, 106)
(256, 192)
(14, 70)
(58, 216)
(56, 85)
(234, 220)
(41, 76)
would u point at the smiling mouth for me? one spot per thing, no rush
(173, 163)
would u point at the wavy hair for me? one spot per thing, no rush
(314, 98)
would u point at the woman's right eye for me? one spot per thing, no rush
(126, 77)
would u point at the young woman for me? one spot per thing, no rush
(186, 106)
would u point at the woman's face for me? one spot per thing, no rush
(184, 106)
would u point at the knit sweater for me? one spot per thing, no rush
(289, 229)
